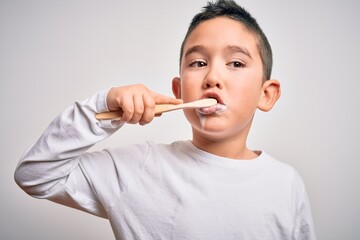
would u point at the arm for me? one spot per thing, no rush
(303, 225)
(53, 168)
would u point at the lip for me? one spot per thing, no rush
(215, 96)
(216, 109)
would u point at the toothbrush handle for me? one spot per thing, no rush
(118, 114)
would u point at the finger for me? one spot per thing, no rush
(149, 109)
(127, 105)
(138, 109)
(112, 100)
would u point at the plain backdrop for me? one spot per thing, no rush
(53, 53)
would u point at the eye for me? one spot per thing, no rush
(198, 64)
(236, 64)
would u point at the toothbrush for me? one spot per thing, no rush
(161, 108)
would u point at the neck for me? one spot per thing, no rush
(230, 147)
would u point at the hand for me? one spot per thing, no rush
(137, 103)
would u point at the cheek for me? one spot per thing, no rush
(245, 94)
(189, 89)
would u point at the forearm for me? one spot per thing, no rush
(57, 151)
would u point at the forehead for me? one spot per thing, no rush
(221, 32)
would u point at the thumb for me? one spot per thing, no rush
(162, 99)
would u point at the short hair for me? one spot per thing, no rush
(230, 9)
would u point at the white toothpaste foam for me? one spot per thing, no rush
(217, 108)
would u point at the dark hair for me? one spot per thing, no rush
(230, 9)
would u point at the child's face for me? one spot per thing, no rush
(221, 60)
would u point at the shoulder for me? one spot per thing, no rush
(175, 148)
(284, 172)
(276, 164)
(147, 152)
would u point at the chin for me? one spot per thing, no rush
(215, 130)
(210, 131)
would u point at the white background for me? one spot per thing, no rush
(53, 53)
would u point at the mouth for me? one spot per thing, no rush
(215, 109)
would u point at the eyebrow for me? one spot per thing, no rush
(243, 50)
(230, 48)
(196, 48)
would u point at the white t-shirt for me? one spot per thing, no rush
(163, 191)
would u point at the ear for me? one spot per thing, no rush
(176, 87)
(270, 93)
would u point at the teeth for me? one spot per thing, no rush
(218, 108)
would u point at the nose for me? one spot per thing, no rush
(213, 79)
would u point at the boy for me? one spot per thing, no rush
(212, 187)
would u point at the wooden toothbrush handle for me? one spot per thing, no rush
(118, 114)
(108, 115)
